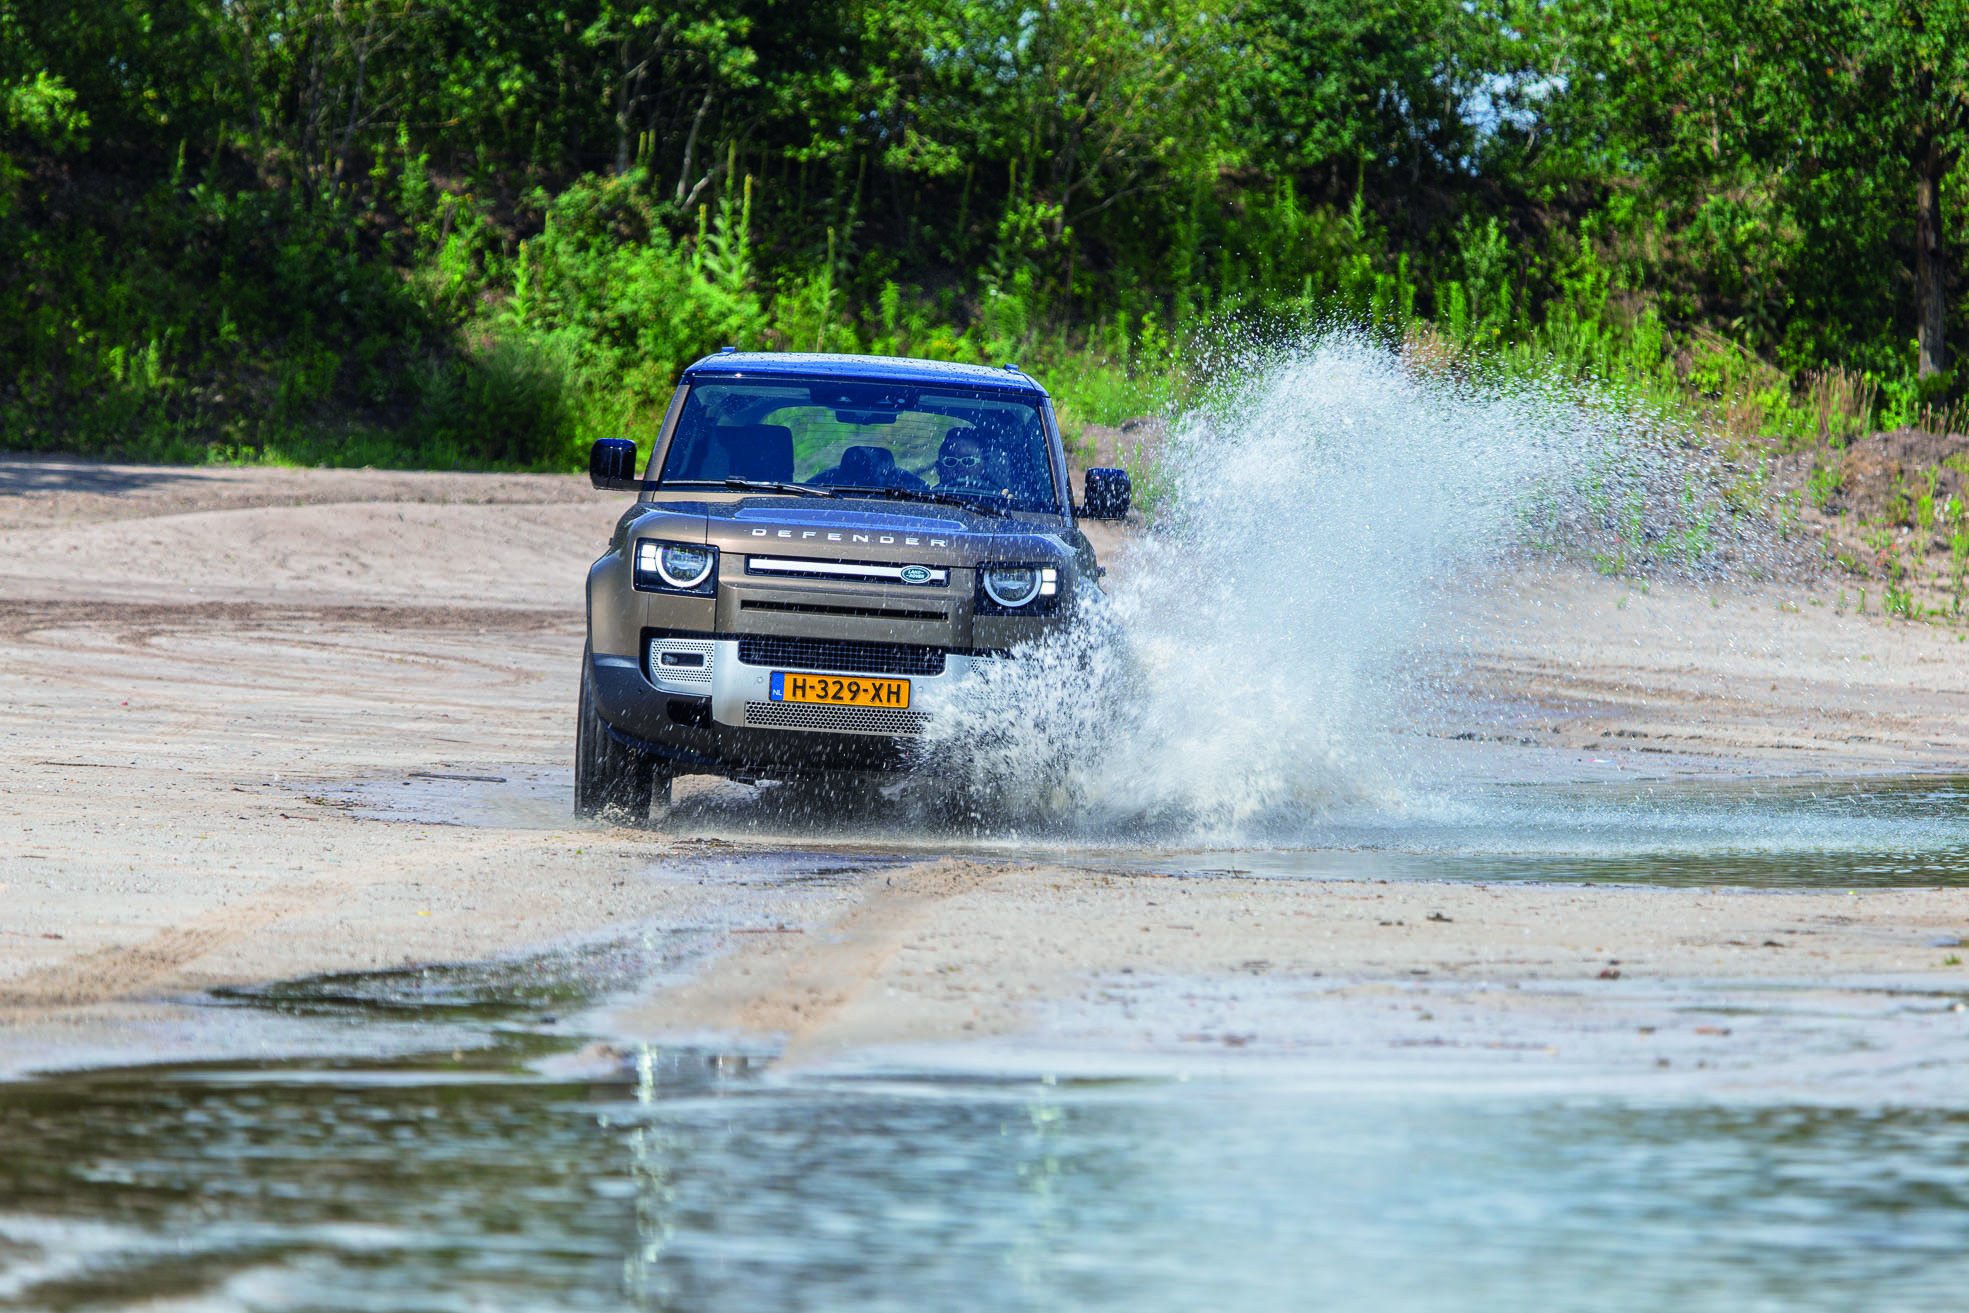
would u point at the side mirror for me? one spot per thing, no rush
(1108, 494)
(612, 466)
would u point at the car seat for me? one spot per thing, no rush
(868, 467)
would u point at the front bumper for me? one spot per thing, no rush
(716, 714)
(720, 718)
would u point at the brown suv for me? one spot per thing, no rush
(823, 545)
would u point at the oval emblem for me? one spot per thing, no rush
(915, 574)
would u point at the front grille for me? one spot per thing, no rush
(866, 572)
(835, 720)
(840, 654)
(865, 612)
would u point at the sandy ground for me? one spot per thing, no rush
(263, 723)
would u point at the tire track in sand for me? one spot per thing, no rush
(795, 985)
(124, 971)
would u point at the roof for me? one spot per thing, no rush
(806, 364)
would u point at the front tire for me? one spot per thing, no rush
(610, 776)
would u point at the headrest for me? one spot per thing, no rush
(867, 464)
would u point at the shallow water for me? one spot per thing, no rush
(1816, 832)
(1804, 834)
(495, 1162)
(699, 1183)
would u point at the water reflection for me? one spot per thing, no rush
(696, 1183)
(1184, 1198)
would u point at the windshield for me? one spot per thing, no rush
(985, 447)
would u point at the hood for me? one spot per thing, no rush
(810, 527)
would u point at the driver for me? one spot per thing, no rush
(962, 466)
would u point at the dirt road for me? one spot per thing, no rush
(262, 723)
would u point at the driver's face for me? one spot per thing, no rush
(960, 458)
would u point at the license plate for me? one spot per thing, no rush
(840, 690)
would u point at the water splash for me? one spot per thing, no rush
(1312, 517)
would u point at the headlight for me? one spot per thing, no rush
(676, 567)
(1016, 587)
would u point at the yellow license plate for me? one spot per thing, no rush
(840, 690)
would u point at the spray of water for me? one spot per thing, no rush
(1311, 517)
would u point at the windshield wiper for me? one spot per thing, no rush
(737, 484)
(929, 495)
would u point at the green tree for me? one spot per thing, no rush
(1799, 147)
(241, 217)
(1409, 86)
(1895, 81)
(679, 58)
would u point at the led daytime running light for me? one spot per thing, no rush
(1017, 586)
(683, 566)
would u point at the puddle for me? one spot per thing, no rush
(513, 797)
(468, 1145)
(542, 989)
(1748, 868)
(694, 1181)
(1759, 833)
(471, 1146)
(1762, 833)
(717, 863)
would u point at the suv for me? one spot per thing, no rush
(821, 545)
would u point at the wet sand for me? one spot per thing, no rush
(264, 723)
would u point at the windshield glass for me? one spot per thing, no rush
(986, 447)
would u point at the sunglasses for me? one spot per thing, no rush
(960, 462)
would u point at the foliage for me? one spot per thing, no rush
(475, 231)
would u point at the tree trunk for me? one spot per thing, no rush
(362, 52)
(1930, 276)
(690, 151)
(622, 104)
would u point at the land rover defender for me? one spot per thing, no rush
(821, 544)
